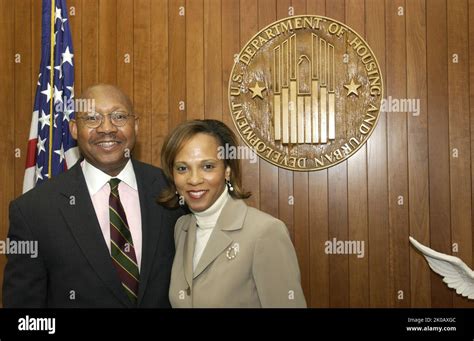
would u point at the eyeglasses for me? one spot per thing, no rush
(95, 119)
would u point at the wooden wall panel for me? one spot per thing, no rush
(107, 41)
(420, 287)
(212, 60)
(438, 137)
(89, 43)
(7, 123)
(195, 59)
(125, 56)
(377, 172)
(174, 58)
(459, 134)
(176, 62)
(159, 77)
(318, 235)
(316, 7)
(75, 20)
(23, 83)
(395, 77)
(357, 192)
(142, 77)
(471, 96)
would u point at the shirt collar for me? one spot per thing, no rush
(96, 179)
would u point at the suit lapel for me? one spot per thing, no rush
(152, 224)
(217, 243)
(189, 244)
(231, 218)
(78, 211)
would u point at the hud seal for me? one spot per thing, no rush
(305, 92)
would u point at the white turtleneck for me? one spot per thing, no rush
(206, 220)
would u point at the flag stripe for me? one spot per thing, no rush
(31, 153)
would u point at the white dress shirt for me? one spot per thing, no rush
(99, 190)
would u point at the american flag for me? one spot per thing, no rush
(51, 149)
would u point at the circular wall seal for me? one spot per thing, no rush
(305, 92)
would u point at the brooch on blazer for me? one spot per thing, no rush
(232, 251)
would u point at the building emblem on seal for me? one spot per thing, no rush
(305, 92)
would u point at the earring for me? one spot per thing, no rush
(229, 185)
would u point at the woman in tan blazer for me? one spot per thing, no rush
(227, 254)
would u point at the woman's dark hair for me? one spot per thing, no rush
(183, 133)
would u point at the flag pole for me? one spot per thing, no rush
(51, 81)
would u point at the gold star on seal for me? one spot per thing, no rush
(352, 87)
(257, 90)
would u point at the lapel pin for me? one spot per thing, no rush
(232, 251)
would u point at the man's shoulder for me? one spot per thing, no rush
(147, 170)
(44, 192)
(146, 166)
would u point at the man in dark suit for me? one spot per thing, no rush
(103, 241)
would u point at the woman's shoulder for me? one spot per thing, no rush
(263, 222)
(183, 220)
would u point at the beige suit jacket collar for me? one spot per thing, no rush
(231, 218)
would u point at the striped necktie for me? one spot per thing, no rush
(121, 243)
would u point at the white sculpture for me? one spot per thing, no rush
(457, 275)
